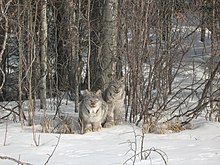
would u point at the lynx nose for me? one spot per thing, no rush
(117, 91)
(92, 103)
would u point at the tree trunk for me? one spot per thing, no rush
(214, 50)
(63, 48)
(110, 41)
(94, 61)
(3, 43)
(74, 75)
(21, 56)
(43, 59)
(203, 26)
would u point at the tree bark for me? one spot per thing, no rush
(95, 32)
(74, 75)
(43, 60)
(21, 56)
(110, 41)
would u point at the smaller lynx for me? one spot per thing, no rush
(92, 111)
(114, 95)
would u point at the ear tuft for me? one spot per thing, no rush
(99, 92)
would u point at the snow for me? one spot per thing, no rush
(111, 146)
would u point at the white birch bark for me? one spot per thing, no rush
(43, 59)
(110, 37)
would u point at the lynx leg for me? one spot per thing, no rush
(118, 116)
(110, 116)
(96, 126)
(87, 128)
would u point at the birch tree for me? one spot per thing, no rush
(110, 41)
(43, 59)
(3, 39)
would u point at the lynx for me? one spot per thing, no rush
(114, 96)
(92, 111)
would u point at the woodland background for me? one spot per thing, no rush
(57, 48)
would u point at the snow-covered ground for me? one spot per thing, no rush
(111, 146)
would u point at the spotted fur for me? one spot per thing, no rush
(92, 111)
(114, 96)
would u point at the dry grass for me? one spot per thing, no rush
(165, 127)
(46, 125)
(58, 125)
(65, 126)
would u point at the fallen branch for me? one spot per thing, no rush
(14, 160)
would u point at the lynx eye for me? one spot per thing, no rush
(113, 87)
(88, 111)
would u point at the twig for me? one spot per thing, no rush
(6, 132)
(14, 160)
(12, 110)
(50, 156)
(162, 154)
(143, 154)
(36, 141)
(148, 152)
(3, 77)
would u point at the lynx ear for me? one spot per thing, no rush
(85, 92)
(99, 92)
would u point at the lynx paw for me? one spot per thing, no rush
(119, 122)
(88, 129)
(97, 129)
(96, 126)
(109, 124)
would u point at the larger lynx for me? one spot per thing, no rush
(114, 95)
(92, 111)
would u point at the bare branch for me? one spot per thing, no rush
(3, 77)
(14, 160)
(58, 140)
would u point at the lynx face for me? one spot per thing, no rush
(93, 104)
(92, 111)
(115, 90)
